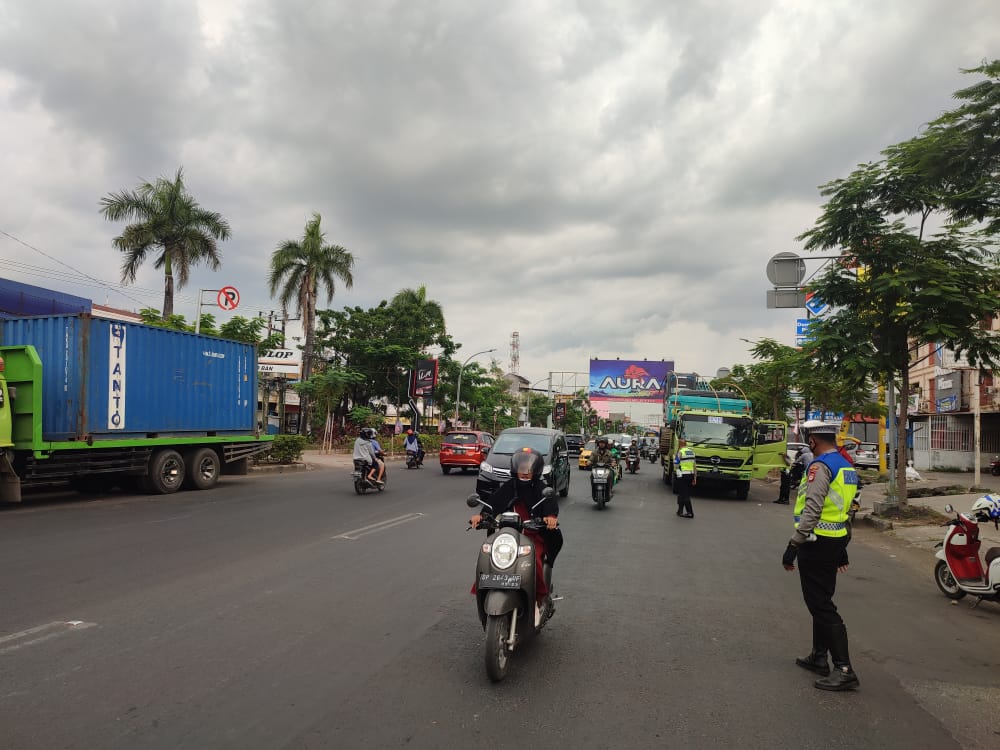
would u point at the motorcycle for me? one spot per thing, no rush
(361, 481)
(413, 460)
(995, 466)
(632, 462)
(602, 485)
(959, 571)
(505, 583)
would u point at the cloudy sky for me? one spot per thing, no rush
(607, 177)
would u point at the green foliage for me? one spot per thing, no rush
(913, 288)
(168, 221)
(382, 344)
(287, 448)
(781, 369)
(364, 415)
(298, 268)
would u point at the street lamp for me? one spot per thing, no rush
(529, 396)
(458, 392)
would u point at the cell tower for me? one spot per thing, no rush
(515, 352)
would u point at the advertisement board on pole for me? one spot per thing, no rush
(617, 380)
(423, 378)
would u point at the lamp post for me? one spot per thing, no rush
(458, 391)
(529, 396)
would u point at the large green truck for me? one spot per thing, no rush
(730, 446)
(99, 403)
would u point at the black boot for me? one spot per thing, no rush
(816, 661)
(842, 677)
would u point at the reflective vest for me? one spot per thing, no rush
(685, 460)
(836, 504)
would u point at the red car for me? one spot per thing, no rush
(464, 449)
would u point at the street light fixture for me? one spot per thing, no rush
(458, 391)
(529, 396)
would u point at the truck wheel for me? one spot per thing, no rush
(742, 490)
(166, 472)
(203, 469)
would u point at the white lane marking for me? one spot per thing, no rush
(380, 526)
(50, 630)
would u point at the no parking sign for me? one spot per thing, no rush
(229, 298)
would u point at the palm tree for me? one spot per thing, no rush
(297, 268)
(412, 304)
(166, 219)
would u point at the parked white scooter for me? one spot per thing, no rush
(959, 570)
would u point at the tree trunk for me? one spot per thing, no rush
(168, 287)
(903, 408)
(309, 321)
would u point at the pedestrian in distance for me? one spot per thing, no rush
(686, 472)
(822, 533)
(786, 481)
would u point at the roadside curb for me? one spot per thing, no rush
(277, 468)
(881, 524)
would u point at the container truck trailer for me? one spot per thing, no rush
(100, 402)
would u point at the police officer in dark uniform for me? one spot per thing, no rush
(820, 543)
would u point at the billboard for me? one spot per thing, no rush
(628, 380)
(423, 378)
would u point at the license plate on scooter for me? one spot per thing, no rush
(499, 580)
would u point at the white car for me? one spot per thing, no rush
(793, 450)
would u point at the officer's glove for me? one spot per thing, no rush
(788, 559)
(842, 561)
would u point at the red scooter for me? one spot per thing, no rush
(959, 570)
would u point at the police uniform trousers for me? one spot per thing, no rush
(818, 562)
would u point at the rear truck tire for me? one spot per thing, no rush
(444, 469)
(945, 581)
(203, 469)
(743, 489)
(166, 472)
(497, 655)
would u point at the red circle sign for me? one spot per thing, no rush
(228, 298)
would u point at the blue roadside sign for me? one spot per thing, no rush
(815, 305)
(802, 326)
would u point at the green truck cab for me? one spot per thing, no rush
(730, 446)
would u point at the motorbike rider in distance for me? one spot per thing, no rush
(602, 455)
(521, 493)
(363, 452)
(412, 443)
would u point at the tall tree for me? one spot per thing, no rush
(168, 221)
(907, 286)
(298, 267)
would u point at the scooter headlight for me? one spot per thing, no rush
(504, 551)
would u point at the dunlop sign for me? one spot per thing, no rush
(280, 362)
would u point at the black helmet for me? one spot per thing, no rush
(367, 433)
(602, 439)
(524, 461)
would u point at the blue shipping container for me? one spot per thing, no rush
(107, 379)
(17, 299)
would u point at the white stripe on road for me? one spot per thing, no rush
(380, 526)
(44, 632)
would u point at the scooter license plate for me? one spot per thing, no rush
(356, 474)
(499, 580)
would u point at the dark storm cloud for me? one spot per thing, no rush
(607, 178)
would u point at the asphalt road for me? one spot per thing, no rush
(286, 611)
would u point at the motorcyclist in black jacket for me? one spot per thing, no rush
(520, 493)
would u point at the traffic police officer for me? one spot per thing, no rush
(686, 471)
(820, 544)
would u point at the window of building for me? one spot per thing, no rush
(950, 434)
